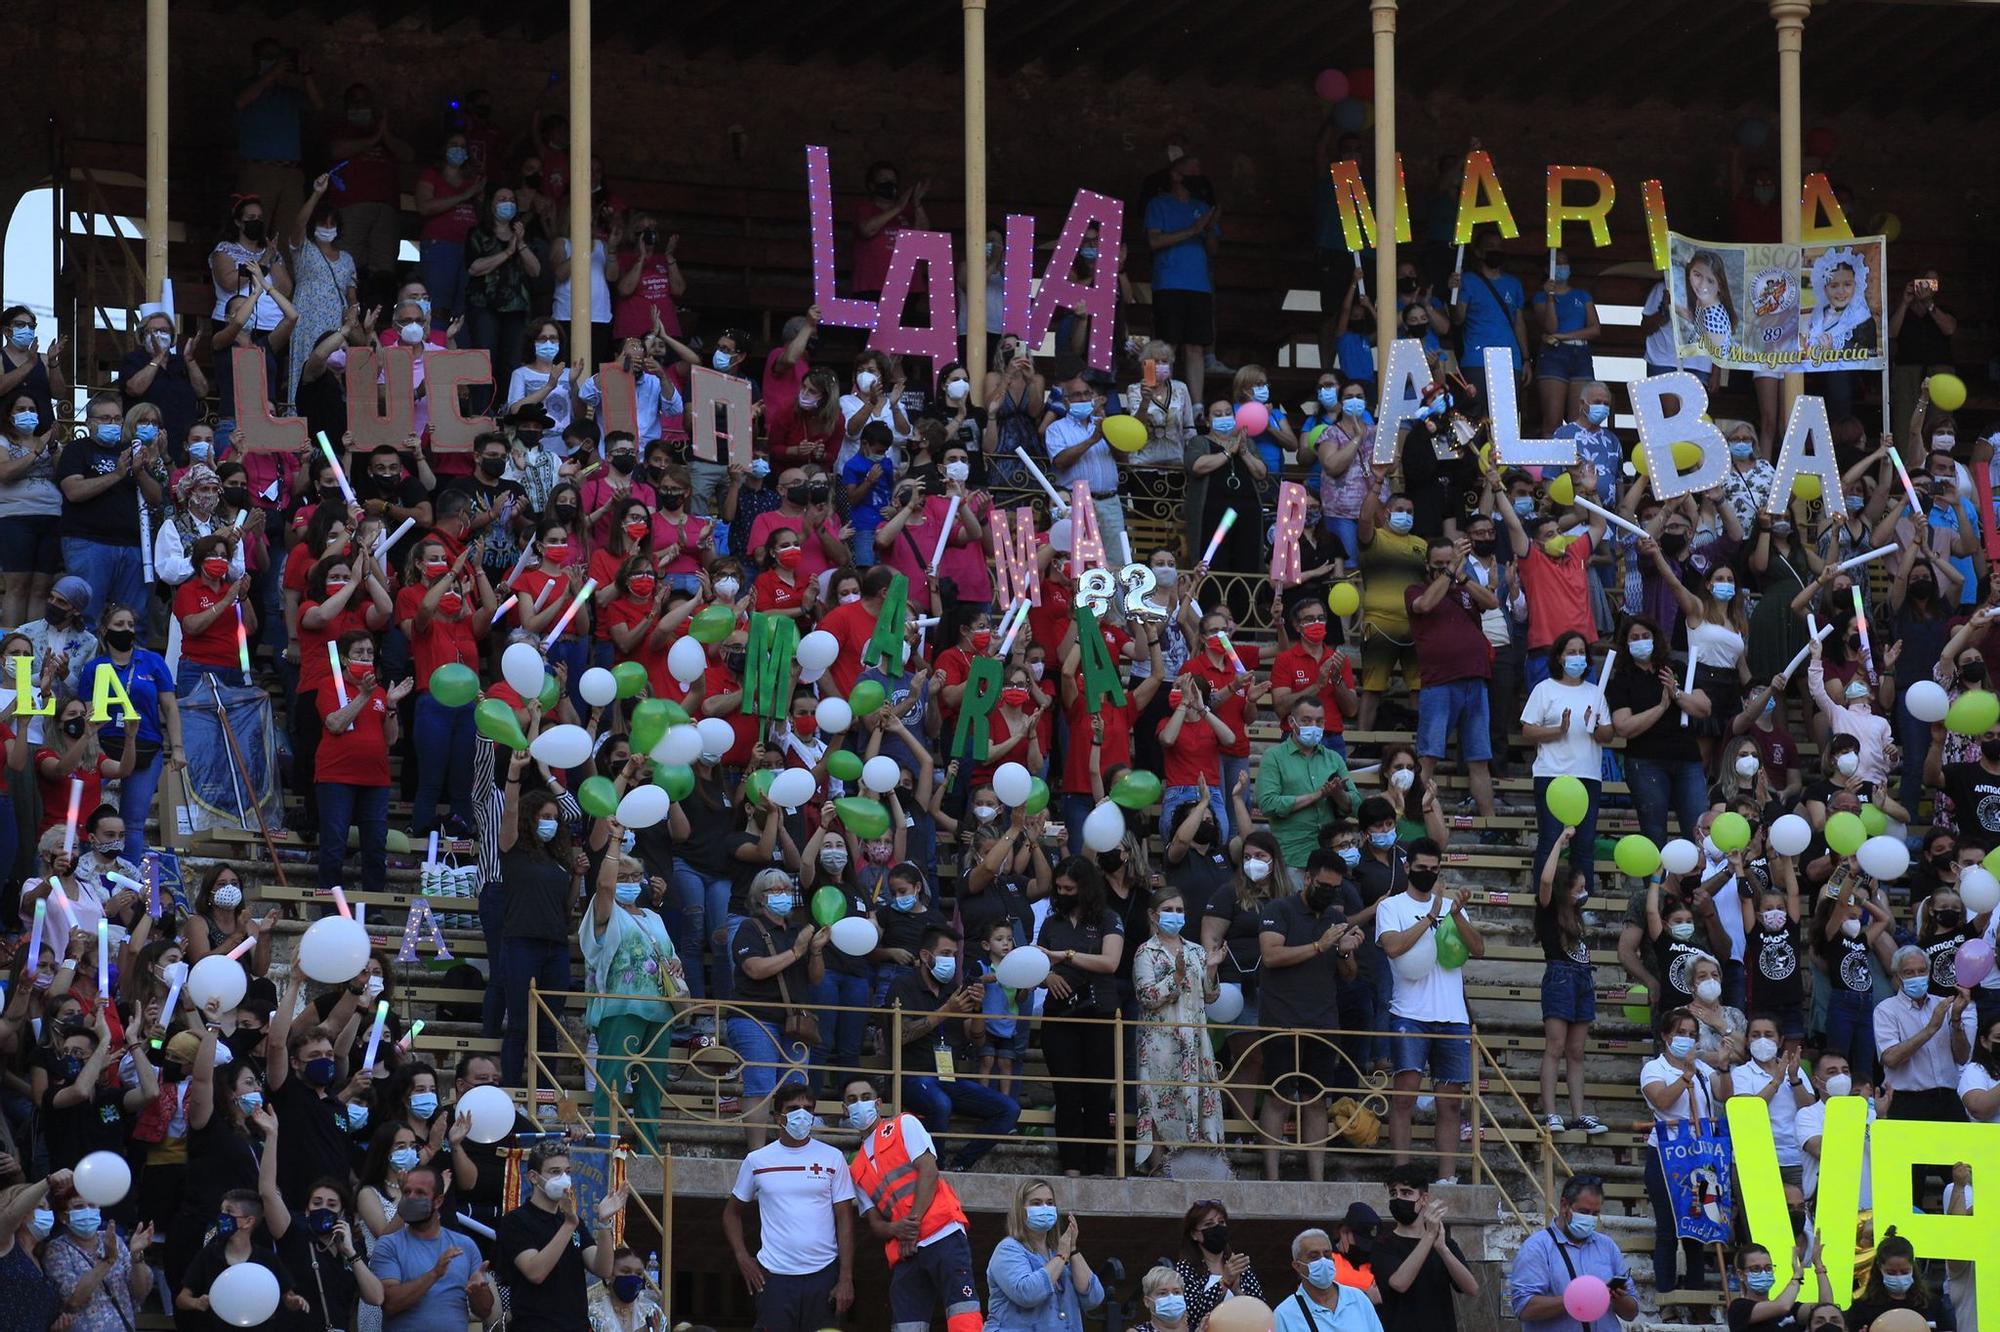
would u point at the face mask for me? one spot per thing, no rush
(1641, 649)
(1559, 272)
(866, 380)
(23, 337)
(403, 1158)
(146, 432)
(1256, 869)
(1739, 450)
(109, 433)
(1761, 1282)
(225, 1225)
(1575, 664)
(424, 1104)
(1972, 672)
(1354, 406)
(1722, 591)
(799, 1122)
(1222, 425)
(1916, 987)
(1401, 521)
(1896, 1283)
(357, 1118)
(1763, 1049)
(1329, 396)
(1674, 544)
(555, 1186)
(1382, 841)
(456, 156)
(1839, 1084)
(1747, 765)
(944, 968)
(73, 728)
(411, 333)
(1350, 856)
(862, 1115)
(413, 1211)
(1260, 393)
(1081, 411)
(985, 813)
(229, 896)
(1168, 1308)
(1320, 1273)
(1423, 879)
(545, 830)
(1309, 737)
(1173, 922)
(624, 463)
(26, 422)
(1708, 991)
(625, 1287)
(1774, 920)
(1990, 750)
(780, 904)
(626, 893)
(1851, 927)
(42, 1223)
(1845, 764)
(958, 471)
(1597, 413)
(504, 211)
(319, 1072)
(253, 230)
(727, 588)
(1582, 1225)
(547, 350)
(121, 640)
(85, 1220)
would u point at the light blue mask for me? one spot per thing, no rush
(1582, 1225)
(1761, 1282)
(1320, 1273)
(23, 337)
(1524, 506)
(799, 1122)
(424, 1104)
(1080, 411)
(505, 211)
(547, 350)
(1350, 856)
(357, 1118)
(944, 968)
(1172, 1308)
(1680, 1047)
(201, 450)
(1559, 273)
(1575, 664)
(27, 422)
(1260, 393)
(456, 156)
(1382, 840)
(1401, 521)
(1329, 396)
(545, 829)
(1310, 736)
(720, 360)
(1222, 425)
(629, 840)
(1041, 1218)
(1916, 987)
(42, 1223)
(146, 431)
(1173, 922)
(781, 904)
(87, 1221)
(1896, 1283)
(760, 467)
(1740, 451)
(626, 893)
(109, 433)
(906, 904)
(403, 1158)
(1597, 413)
(250, 1102)
(1356, 407)
(1641, 649)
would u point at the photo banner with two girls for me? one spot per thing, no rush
(1815, 308)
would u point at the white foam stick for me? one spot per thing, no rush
(1694, 656)
(1018, 616)
(1818, 635)
(383, 543)
(944, 535)
(463, 1221)
(1812, 625)
(1458, 271)
(1363, 772)
(1058, 506)
(1603, 682)
(169, 1008)
(1874, 554)
(146, 541)
(1360, 283)
(1615, 519)
(1125, 541)
(527, 553)
(339, 677)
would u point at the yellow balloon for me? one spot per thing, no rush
(1948, 392)
(1486, 455)
(1806, 486)
(1687, 454)
(1344, 599)
(1639, 459)
(1562, 490)
(1124, 433)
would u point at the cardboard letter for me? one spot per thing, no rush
(767, 665)
(1660, 430)
(981, 696)
(444, 373)
(1357, 213)
(106, 687)
(1597, 212)
(1816, 202)
(1030, 312)
(381, 403)
(1837, 1205)
(713, 395)
(835, 310)
(24, 691)
(885, 648)
(1086, 543)
(1014, 557)
(618, 400)
(1807, 450)
(1480, 199)
(1100, 675)
(1403, 387)
(1285, 569)
(939, 342)
(1654, 196)
(257, 430)
(1899, 1144)
(417, 923)
(1509, 449)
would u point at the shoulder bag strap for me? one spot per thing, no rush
(1503, 309)
(784, 990)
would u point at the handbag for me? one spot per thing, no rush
(800, 1025)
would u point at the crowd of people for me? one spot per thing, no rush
(1292, 881)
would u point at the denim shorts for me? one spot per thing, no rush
(1455, 705)
(1569, 992)
(1014, 1047)
(1413, 1051)
(1564, 361)
(31, 545)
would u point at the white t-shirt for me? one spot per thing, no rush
(1440, 995)
(1810, 1124)
(795, 1189)
(1973, 1078)
(1728, 905)
(1576, 754)
(1660, 342)
(1748, 1079)
(916, 1141)
(1698, 1103)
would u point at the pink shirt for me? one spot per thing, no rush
(813, 562)
(634, 315)
(964, 561)
(597, 493)
(871, 253)
(691, 534)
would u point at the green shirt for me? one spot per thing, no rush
(1286, 772)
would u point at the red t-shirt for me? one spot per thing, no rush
(1558, 594)
(1117, 740)
(774, 593)
(852, 626)
(604, 566)
(1233, 708)
(781, 400)
(812, 561)
(215, 645)
(633, 317)
(444, 641)
(298, 566)
(1450, 644)
(55, 791)
(871, 253)
(1296, 668)
(1048, 622)
(358, 756)
(314, 671)
(530, 584)
(456, 222)
(368, 177)
(719, 679)
(954, 667)
(1195, 753)
(627, 612)
(662, 680)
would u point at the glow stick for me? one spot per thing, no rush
(173, 996)
(1058, 506)
(462, 1220)
(340, 902)
(1896, 457)
(103, 957)
(1615, 519)
(125, 882)
(382, 543)
(1457, 271)
(242, 642)
(153, 885)
(360, 913)
(1230, 648)
(242, 948)
(1604, 676)
(505, 606)
(346, 490)
(1861, 619)
(583, 594)
(61, 899)
(416, 1030)
(339, 677)
(35, 939)
(1360, 285)
(75, 802)
(1804, 652)
(950, 521)
(1694, 656)
(431, 851)
(1874, 554)
(1017, 615)
(541, 595)
(146, 541)
(527, 553)
(1221, 531)
(375, 1033)
(1812, 625)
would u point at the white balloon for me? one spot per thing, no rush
(521, 666)
(1680, 856)
(1105, 828)
(717, 736)
(855, 936)
(686, 661)
(1013, 784)
(1418, 961)
(1927, 701)
(833, 715)
(333, 950)
(1978, 889)
(564, 746)
(216, 984)
(880, 774)
(491, 1111)
(1884, 857)
(643, 806)
(811, 674)
(245, 1295)
(1023, 969)
(103, 1179)
(1228, 1003)
(679, 747)
(598, 687)
(792, 788)
(817, 650)
(1060, 535)
(1790, 835)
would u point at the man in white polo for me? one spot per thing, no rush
(803, 1273)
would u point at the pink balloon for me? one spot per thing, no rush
(1331, 85)
(1587, 1298)
(1973, 961)
(1253, 417)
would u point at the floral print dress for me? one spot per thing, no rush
(1179, 1100)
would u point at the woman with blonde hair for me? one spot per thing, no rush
(1165, 1297)
(1173, 978)
(1037, 1279)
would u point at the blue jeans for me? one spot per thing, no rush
(704, 920)
(340, 806)
(757, 1043)
(1582, 846)
(493, 1004)
(135, 801)
(936, 1102)
(1657, 787)
(444, 762)
(1454, 705)
(863, 546)
(1348, 532)
(1850, 1025)
(116, 574)
(191, 678)
(839, 1049)
(1234, 767)
(441, 264)
(1075, 809)
(1175, 800)
(529, 961)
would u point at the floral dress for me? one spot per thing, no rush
(319, 294)
(1178, 1095)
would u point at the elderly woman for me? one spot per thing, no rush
(1721, 1041)
(195, 514)
(1037, 1279)
(633, 974)
(1166, 1301)
(101, 1285)
(1161, 404)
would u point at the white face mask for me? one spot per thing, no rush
(866, 380)
(1256, 870)
(1708, 991)
(1839, 1084)
(958, 390)
(1403, 778)
(555, 1186)
(1747, 765)
(727, 588)
(1846, 764)
(1763, 1049)
(957, 471)
(1851, 927)
(412, 333)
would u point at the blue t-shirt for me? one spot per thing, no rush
(144, 680)
(1490, 322)
(1570, 308)
(866, 512)
(267, 130)
(1947, 517)
(998, 1004)
(1182, 267)
(401, 1256)
(1356, 354)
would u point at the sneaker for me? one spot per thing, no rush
(1591, 1124)
(1213, 364)
(1448, 1182)
(1554, 1124)
(1465, 1132)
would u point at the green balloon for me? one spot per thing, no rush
(1973, 712)
(867, 696)
(828, 905)
(1137, 790)
(1730, 832)
(1568, 801)
(677, 781)
(454, 684)
(844, 764)
(598, 797)
(495, 720)
(1038, 796)
(650, 719)
(551, 693)
(675, 714)
(760, 784)
(1636, 855)
(861, 816)
(1450, 944)
(1844, 832)
(713, 625)
(631, 678)
(1637, 1011)
(1874, 820)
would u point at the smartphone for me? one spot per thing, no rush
(1149, 373)
(1927, 286)
(1055, 832)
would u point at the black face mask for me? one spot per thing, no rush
(253, 231)
(120, 640)
(73, 728)
(55, 614)
(565, 511)
(672, 503)
(492, 468)
(1483, 548)
(235, 498)
(624, 463)
(885, 189)
(1216, 1239)
(1674, 544)
(1423, 880)
(1494, 260)
(1948, 919)
(1923, 591)
(734, 661)
(1406, 286)
(1972, 672)
(1111, 861)
(819, 492)
(797, 495)
(1403, 1210)
(532, 181)
(1990, 750)
(330, 495)
(1318, 898)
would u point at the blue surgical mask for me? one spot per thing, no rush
(626, 893)
(1740, 450)
(1320, 1273)
(780, 904)
(1575, 664)
(799, 1122)
(630, 839)
(23, 337)
(1854, 503)
(1173, 922)
(545, 829)
(1041, 1218)
(146, 431)
(1350, 856)
(1310, 736)
(201, 450)
(1172, 1308)
(862, 1115)
(109, 433)
(1087, 253)
(547, 350)
(1329, 396)
(1722, 591)
(1680, 1047)
(505, 211)
(1355, 406)
(1401, 521)
(944, 968)
(760, 467)
(455, 155)
(1260, 392)
(720, 360)
(84, 1220)
(904, 902)
(424, 1104)
(42, 1223)
(357, 1118)
(1524, 506)
(1916, 987)
(1597, 413)
(1582, 1225)
(1382, 840)
(1222, 425)
(1559, 272)
(250, 1102)
(1761, 1282)
(27, 422)
(1080, 411)
(1641, 649)
(404, 1158)
(1896, 1283)
(1681, 930)
(424, 304)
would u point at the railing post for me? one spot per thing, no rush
(534, 1043)
(896, 1057)
(1118, 1089)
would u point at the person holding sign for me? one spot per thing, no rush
(1566, 319)
(1487, 307)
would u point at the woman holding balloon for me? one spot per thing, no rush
(1569, 723)
(634, 976)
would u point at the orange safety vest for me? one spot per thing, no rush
(889, 1178)
(1358, 1275)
